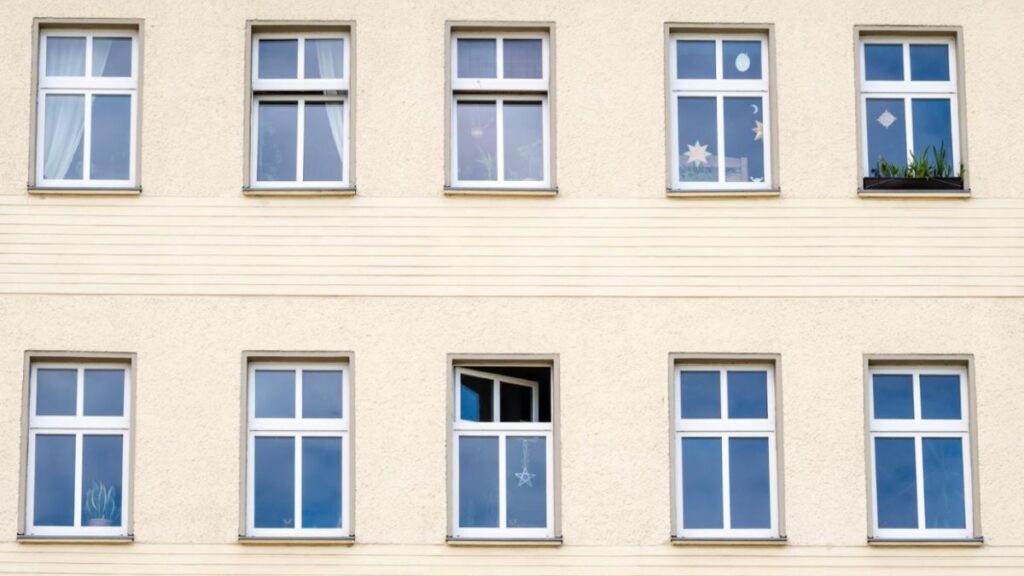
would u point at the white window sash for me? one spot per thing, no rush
(301, 84)
(907, 85)
(88, 82)
(300, 132)
(500, 83)
(908, 110)
(497, 380)
(499, 101)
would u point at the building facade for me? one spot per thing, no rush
(578, 287)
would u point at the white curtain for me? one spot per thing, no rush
(65, 125)
(328, 58)
(65, 56)
(100, 53)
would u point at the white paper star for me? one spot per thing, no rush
(758, 130)
(886, 119)
(525, 477)
(697, 154)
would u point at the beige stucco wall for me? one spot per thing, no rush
(611, 275)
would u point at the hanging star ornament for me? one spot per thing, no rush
(758, 130)
(697, 154)
(525, 477)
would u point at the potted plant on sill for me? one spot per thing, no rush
(101, 505)
(931, 170)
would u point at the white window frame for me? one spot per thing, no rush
(500, 90)
(721, 88)
(300, 91)
(501, 430)
(79, 426)
(907, 91)
(918, 428)
(725, 428)
(88, 87)
(298, 428)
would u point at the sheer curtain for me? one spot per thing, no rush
(330, 64)
(65, 56)
(65, 125)
(100, 53)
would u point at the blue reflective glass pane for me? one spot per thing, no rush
(526, 482)
(933, 128)
(741, 60)
(893, 396)
(278, 59)
(887, 133)
(323, 142)
(321, 482)
(111, 139)
(702, 483)
(883, 62)
(325, 58)
(64, 137)
(478, 482)
(104, 393)
(112, 57)
(940, 397)
(748, 394)
(522, 58)
(477, 152)
(321, 393)
(477, 57)
(54, 486)
(274, 483)
(695, 59)
(524, 141)
(896, 482)
(476, 399)
(744, 140)
(65, 56)
(700, 394)
(275, 394)
(278, 135)
(943, 463)
(749, 483)
(929, 62)
(56, 392)
(102, 461)
(698, 139)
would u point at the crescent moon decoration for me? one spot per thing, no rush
(754, 106)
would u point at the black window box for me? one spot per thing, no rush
(913, 183)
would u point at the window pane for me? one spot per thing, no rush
(929, 62)
(278, 58)
(698, 139)
(744, 139)
(943, 463)
(478, 141)
(111, 137)
(896, 481)
(523, 59)
(477, 58)
(524, 140)
(321, 482)
(700, 394)
(56, 392)
(516, 403)
(275, 394)
(933, 128)
(104, 393)
(887, 133)
(324, 140)
(526, 481)
(748, 394)
(102, 459)
(274, 483)
(940, 396)
(893, 395)
(702, 483)
(478, 482)
(321, 393)
(749, 483)
(112, 57)
(695, 59)
(65, 56)
(54, 499)
(883, 62)
(476, 399)
(275, 159)
(325, 58)
(741, 60)
(63, 137)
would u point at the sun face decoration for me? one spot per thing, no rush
(697, 154)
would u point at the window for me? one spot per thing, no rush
(87, 108)
(79, 427)
(503, 483)
(720, 112)
(920, 453)
(908, 100)
(298, 450)
(726, 484)
(500, 112)
(300, 110)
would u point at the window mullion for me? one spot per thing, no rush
(76, 514)
(80, 392)
(502, 487)
(499, 120)
(87, 135)
(496, 401)
(916, 390)
(300, 137)
(720, 112)
(908, 113)
(297, 441)
(726, 500)
(499, 55)
(919, 472)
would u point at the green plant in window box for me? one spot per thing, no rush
(101, 504)
(930, 170)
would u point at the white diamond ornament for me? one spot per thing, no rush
(886, 119)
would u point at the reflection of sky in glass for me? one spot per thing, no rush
(321, 393)
(702, 483)
(523, 58)
(477, 153)
(56, 392)
(943, 463)
(477, 57)
(101, 472)
(112, 57)
(275, 394)
(893, 396)
(111, 137)
(695, 59)
(321, 154)
(54, 499)
(929, 62)
(896, 480)
(741, 60)
(477, 399)
(698, 140)
(700, 394)
(524, 140)
(321, 482)
(933, 126)
(883, 62)
(748, 394)
(278, 134)
(278, 58)
(104, 393)
(940, 396)
(526, 482)
(749, 484)
(274, 480)
(744, 140)
(478, 482)
(887, 132)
